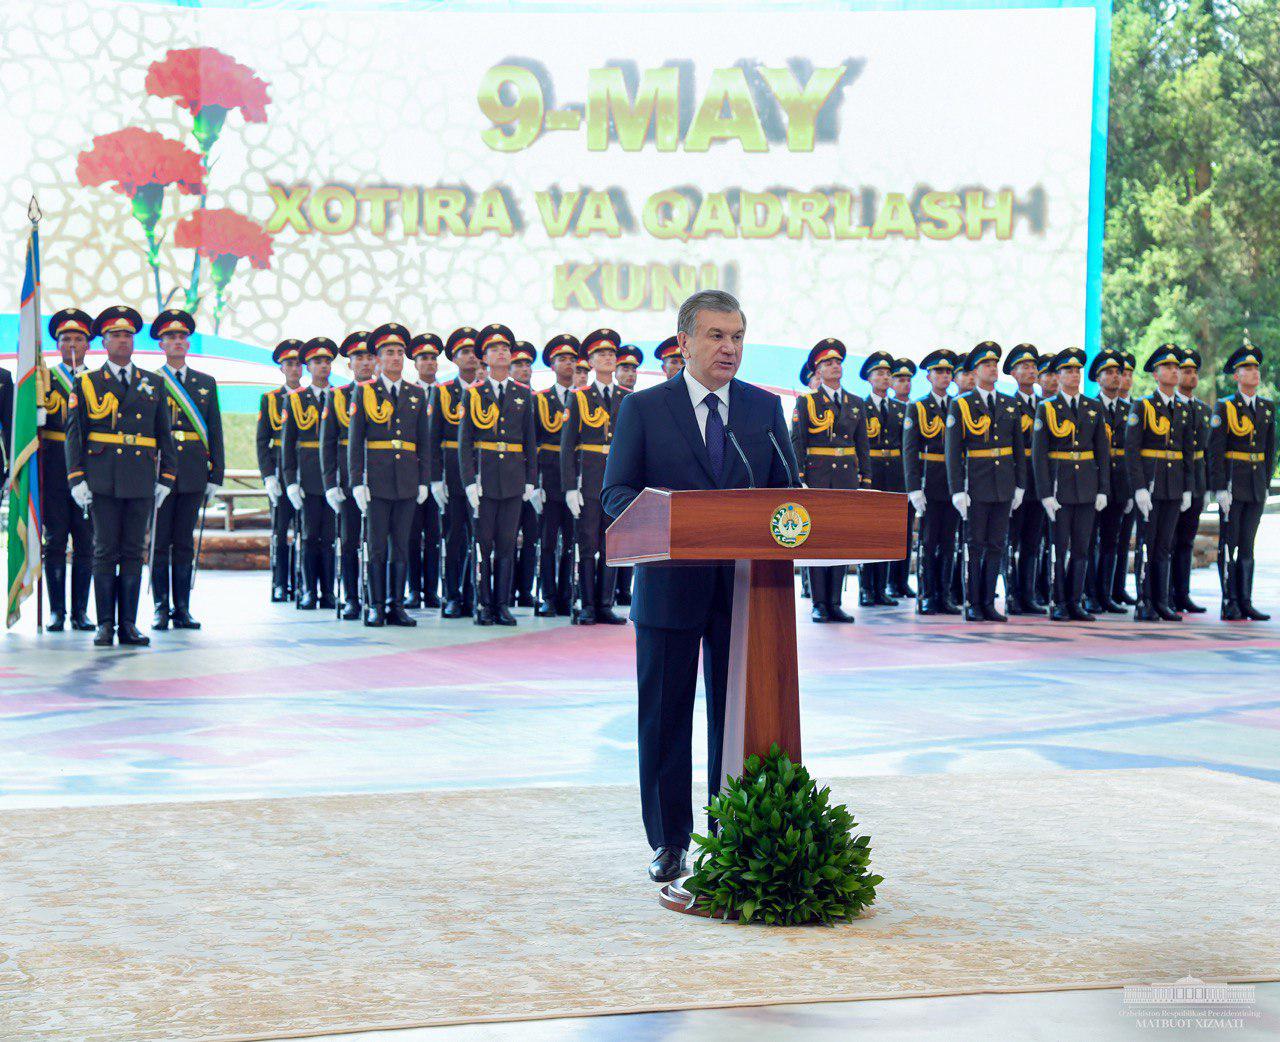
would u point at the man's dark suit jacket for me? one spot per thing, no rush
(657, 444)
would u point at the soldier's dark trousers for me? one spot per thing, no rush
(826, 585)
(1238, 534)
(387, 527)
(457, 547)
(1124, 541)
(595, 578)
(1072, 534)
(349, 531)
(63, 519)
(553, 566)
(1026, 530)
(119, 542)
(527, 555)
(988, 532)
(938, 547)
(1159, 529)
(667, 665)
(424, 550)
(282, 518)
(319, 529)
(900, 571)
(1107, 558)
(497, 522)
(1184, 542)
(175, 541)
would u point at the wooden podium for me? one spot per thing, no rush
(764, 533)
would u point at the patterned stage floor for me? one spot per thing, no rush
(269, 701)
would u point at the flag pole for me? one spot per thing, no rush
(34, 215)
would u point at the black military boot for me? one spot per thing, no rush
(395, 613)
(1245, 577)
(327, 573)
(1230, 610)
(483, 615)
(1076, 575)
(181, 614)
(81, 577)
(973, 589)
(306, 596)
(866, 586)
(604, 607)
(990, 573)
(1160, 593)
(587, 592)
(55, 581)
(128, 590)
(501, 592)
(1059, 610)
(104, 595)
(374, 609)
(1105, 584)
(818, 594)
(1119, 579)
(1183, 602)
(160, 594)
(880, 584)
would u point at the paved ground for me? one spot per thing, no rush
(269, 701)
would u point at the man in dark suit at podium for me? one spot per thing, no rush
(702, 429)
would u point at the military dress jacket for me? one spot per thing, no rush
(199, 464)
(389, 440)
(548, 421)
(830, 440)
(269, 437)
(118, 437)
(1159, 443)
(585, 438)
(335, 437)
(300, 440)
(1242, 448)
(924, 459)
(985, 447)
(884, 441)
(496, 441)
(1071, 451)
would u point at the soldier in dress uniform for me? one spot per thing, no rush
(63, 519)
(497, 454)
(1127, 524)
(986, 470)
(1048, 385)
(925, 470)
(424, 536)
(584, 447)
(120, 465)
(810, 383)
(1159, 445)
(335, 441)
(904, 371)
(6, 427)
(1184, 533)
(1242, 458)
(884, 438)
(446, 478)
(1109, 556)
(629, 359)
(303, 477)
(270, 434)
(581, 374)
(1027, 523)
(1071, 457)
(522, 356)
(195, 422)
(830, 436)
(667, 355)
(555, 563)
(390, 470)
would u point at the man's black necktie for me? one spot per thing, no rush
(605, 395)
(715, 435)
(499, 394)
(394, 396)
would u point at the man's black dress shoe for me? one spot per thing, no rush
(667, 864)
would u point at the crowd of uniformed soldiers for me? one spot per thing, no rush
(478, 494)
(1041, 491)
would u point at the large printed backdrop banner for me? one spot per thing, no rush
(902, 179)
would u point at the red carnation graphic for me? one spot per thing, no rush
(224, 238)
(141, 164)
(208, 84)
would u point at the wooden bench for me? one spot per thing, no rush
(239, 485)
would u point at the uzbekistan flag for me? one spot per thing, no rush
(24, 487)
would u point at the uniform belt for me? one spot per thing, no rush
(185, 436)
(343, 441)
(53, 435)
(1003, 450)
(1087, 454)
(308, 444)
(501, 446)
(934, 457)
(1169, 454)
(548, 448)
(123, 439)
(603, 449)
(274, 443)
(1247, 457)
(1116, 452)
(834, 451)
(394, 443)
(449, 444)
(1199, 455)
(885, 453)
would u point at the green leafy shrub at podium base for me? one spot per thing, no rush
(783, 856)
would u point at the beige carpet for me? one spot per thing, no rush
(265, 918)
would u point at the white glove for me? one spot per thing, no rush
(83, 497)
(917, 500)
(162, 493)
(1051, 506)
(272, 485)
(1128, 504)
(335, 497)
(473, 495)
(1100, 501)
(961, 502)
(361, 495)
(211, 492)
(423, 492)
(294, 492)
(1223, 498)
(1142, 500)
(573, 500)
(1018, 494)
(1186, 502)
(533, 496)
(42, 416)
(441, 491)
